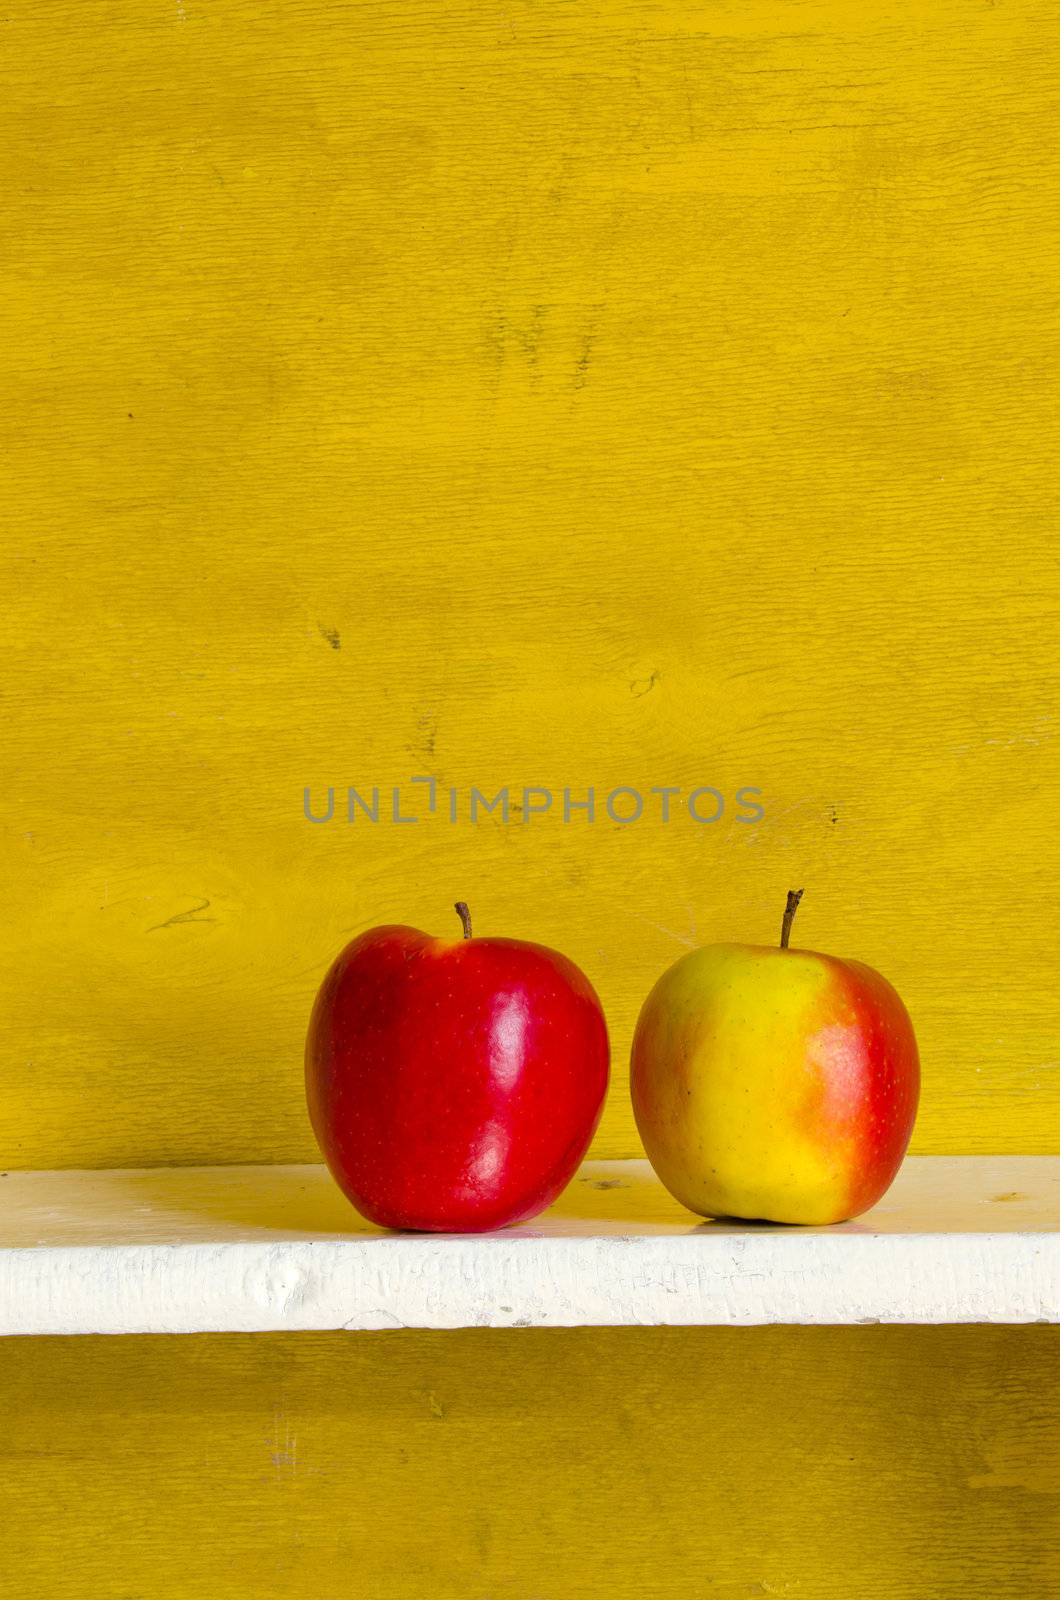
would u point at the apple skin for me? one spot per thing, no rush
(454, 1085)
(774, 1084)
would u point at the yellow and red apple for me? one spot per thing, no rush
(774, 1084)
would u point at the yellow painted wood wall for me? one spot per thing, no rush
(529, 393)
(536, 394)
(536, 1464)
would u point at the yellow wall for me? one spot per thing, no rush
(897, 1464)
(639, 394)
(528, 393)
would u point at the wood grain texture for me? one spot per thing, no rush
(520, 394)
(899, 1464)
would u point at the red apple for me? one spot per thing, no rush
(454, 1085)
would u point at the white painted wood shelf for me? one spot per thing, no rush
(256, 1249)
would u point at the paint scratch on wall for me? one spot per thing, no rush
(191, 915)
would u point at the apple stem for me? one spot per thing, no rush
(465, 917)
(794, 896)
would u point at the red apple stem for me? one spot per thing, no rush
(794, 896)
(465, 917)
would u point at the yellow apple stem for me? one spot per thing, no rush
(465, 917)
(794, 896)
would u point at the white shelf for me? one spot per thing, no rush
(255, 1249)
